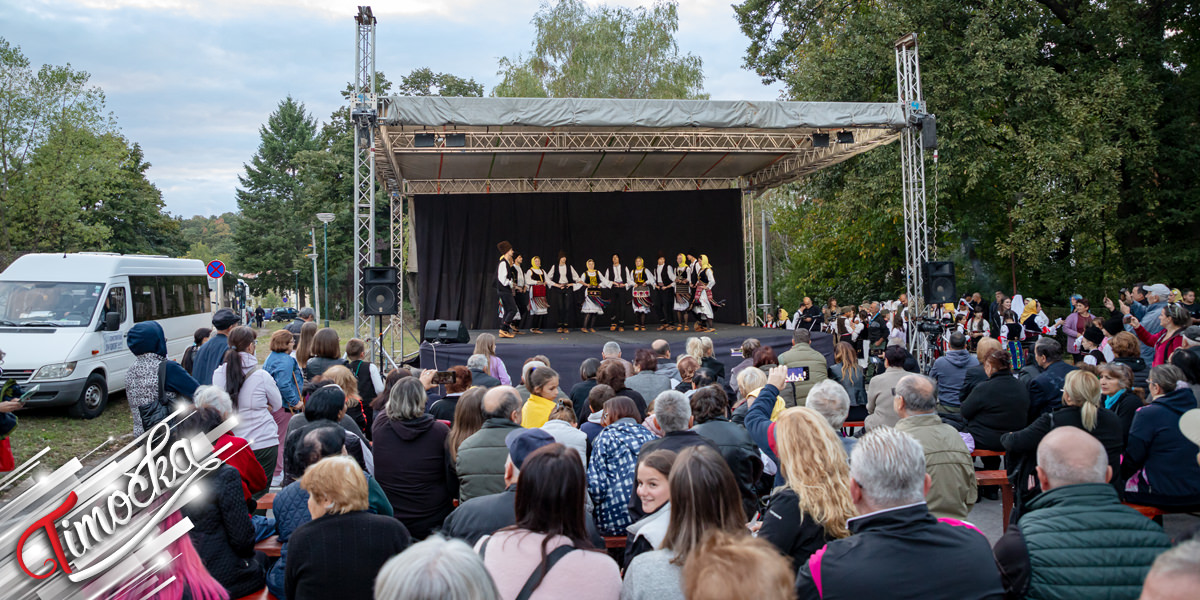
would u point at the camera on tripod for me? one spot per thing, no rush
(931, 326)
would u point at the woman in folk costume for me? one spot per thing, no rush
(683, 293)
(562, 280)
(704, 298)
(592, 281)
(1011, 335)
(506, 275)
(642, 280)
(539, 300)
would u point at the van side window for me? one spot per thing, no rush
(116, 302)
(163, 297)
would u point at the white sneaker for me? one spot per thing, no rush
(277, 480)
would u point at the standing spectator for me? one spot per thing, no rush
(599, 395)
(304, 350)
(614, 458)
(1189, 363)
(1156, 297)
(1160, 462)
(612, 374)
(445, 408)
(995, 407)
(259, 315)
(1045, 391)
(1189, 304)
(812, 508)
(1040, 557)
(581, 390)
(1172, 320)
(662, 355)
(882, 412)
(339, 553)
(468, 418)
(306, 315)
(326, 352)
(412, 465)
(1074, 326)
(645, 380)
(435, 569)
(477, 365)
(847, 372)
(802, 355)
(1080, 408)
(810, 317)
(213, 351)
(735, 566)
(1125, 350)
(289, 379)
(1116, 385)
(948, 462)
(480, 461)
(256, 395)
(748, 347)
(833, 404)
(485, 344)
(888, 484)
(1092, 347)
(543, 387)
(1175, 574)
(189, 356)
(710, 409)
(949, 371)
(148, 344)
(978, 328)
(549, 523)
(367, 377)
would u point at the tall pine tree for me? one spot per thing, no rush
(273, 232)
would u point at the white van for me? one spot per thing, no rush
(64, 318)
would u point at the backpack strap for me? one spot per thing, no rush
(535, 579)
(162, 382)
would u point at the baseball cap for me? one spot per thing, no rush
(224, 318)
(1192, 334)
(1160, 290)
(522, 442)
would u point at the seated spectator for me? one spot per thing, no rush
(435, 569)
(647, 533)
(480, 461)
(947, 459)
(758, 417)
(238, 454)
(485, 515)
(612, 374)
(389, 380)
(996, 406)
(1160, 462)
(765, 359)
(468, 418)
(950, 370)
(802, 354)
(412, 462)
(687, 367)
(562, 426)
(645, 380)
(1126, 351)
(327, 390)
(812, 507)
(580, 391)
(1175, 574)
(662, 355)
(750, 384)
(833, 404)
(444, 409)
(1045, 391)
(976, 375)
(704, 498)
(1188, 362)
(1173, 319)
(1080, 408)
(328, 403)
(339, 553)
(1116, 385)
(1040, 557)
(598, 395)
(888, 483)
(325, 352)
(673, 412)
(849, 374)
(709, 361)
(880, 409)
(477, 365)
(748, 347)
(543, 383)
(485, 344)
(736, 566)
(610, 473)
(550, 525)
(709, 409)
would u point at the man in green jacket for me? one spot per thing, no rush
(481, 457)
(947, 459)
(795, 393)
(1077, 540)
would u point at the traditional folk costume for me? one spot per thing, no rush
(1011, 335)
(520, 294)
(506, 275)
(683, 294)
(592, 282)
(618, 284)
(562, 280)
(703, 300)
(642, 280)
(539, 301)
(664, 290)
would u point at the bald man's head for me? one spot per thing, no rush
(1069, 456)
(501, 401)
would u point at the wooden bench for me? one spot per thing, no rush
(1000, 478)
(270, 546)
(1150, 512)
(614, 541)
(262, 594)
(852, 425)
(979, 452)
(266, 502)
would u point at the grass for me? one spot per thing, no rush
(345, 331)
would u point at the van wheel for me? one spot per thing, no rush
(92, 399)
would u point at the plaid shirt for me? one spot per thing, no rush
(612, 473)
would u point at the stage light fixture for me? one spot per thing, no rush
(424, 140)
(456, 140)
(820, 140)
(845, 137)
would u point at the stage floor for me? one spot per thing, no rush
(567, 351)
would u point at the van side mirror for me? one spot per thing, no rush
(112, 321)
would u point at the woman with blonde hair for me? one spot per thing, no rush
(485, 344)
(813, 506)
(736, 566)
(708, 360)
(344, 379)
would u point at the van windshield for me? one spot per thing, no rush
(48, 304)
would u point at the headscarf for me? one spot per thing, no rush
(147, 337)
(704, 262)
(682, 261)
(1018, 304)
(1029, 310)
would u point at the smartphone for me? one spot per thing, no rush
(29, 394)
(444, 377)
(795, 374)
(735, 352)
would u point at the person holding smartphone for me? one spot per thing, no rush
(11, 399)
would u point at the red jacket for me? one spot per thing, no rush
(240, 457)
(1163, 345)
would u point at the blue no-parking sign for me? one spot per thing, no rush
(216, 269)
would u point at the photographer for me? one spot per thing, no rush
(10, 400)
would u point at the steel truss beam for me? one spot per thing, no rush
(526, 186)
(912, 175)
(797, 165)
(610, 141)
(364, 106)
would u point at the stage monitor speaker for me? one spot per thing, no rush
(379, 291)
(438, 330)
(939, 283)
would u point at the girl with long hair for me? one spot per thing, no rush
(344, 379)
(304, 347)
(485, 344)
(255, 395)
(468, 418)
(653, 473)
(849, 373)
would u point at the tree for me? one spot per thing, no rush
(424, 82)
(603, 52)
(131, 208)
(271, 238)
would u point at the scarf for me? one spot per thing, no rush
(1112, 400)
(1029, 310)
(704, 262)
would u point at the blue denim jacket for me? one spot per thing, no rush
(288, 376)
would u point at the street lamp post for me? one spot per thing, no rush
(325, 219)
(296, 298)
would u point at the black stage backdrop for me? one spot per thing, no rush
(457, 237)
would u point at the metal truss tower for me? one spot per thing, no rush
(364, 115)
(912, 175)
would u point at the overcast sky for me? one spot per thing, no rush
(193, 80)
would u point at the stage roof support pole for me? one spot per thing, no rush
(364, 116)
(748, 230)
(912, 175)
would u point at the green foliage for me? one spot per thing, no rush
(211, 238)
(1065, 131)
(603, 52)
(424, 82)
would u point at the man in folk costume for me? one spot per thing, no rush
(703, 301)
(664, 290)
(618, 279)
(506, 275)
(562, 280)
(642, 279)
(683, 293)
(539, 302)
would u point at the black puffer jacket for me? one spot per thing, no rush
(224, 536)
(740, 453)
(995, 407)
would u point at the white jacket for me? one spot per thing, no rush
(257, 399)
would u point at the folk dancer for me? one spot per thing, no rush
(505, 279)
(520, 293)
(562, 281)
(618, 285)
(539, 303)
(683, 293)
(664, 289)
(703, 300)
(592, 282)
(642, 280)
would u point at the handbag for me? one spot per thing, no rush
(153, 412)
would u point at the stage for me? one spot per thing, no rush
(567, 351)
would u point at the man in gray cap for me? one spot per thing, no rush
(208, 357)
(305, 315)
(1157, 296)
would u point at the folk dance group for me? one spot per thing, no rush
(673, 292)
